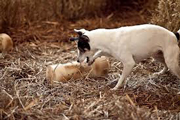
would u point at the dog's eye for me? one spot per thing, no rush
(87, 59)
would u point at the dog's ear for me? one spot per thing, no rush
(73, 38)
(80, 32)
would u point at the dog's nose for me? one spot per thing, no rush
(78, 61)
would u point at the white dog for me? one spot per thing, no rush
(130, 45)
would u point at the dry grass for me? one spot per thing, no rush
(25, 93)
(61, 31)
(168, 14)
(22, 13)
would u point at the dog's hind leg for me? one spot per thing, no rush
(160, 58)
(172, 60)
(128, 65)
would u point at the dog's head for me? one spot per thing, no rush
(83, 45)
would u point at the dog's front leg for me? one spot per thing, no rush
(128, 66)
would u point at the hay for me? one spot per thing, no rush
(25, 93)
(168, 14)
(51, 31)
(22, 13)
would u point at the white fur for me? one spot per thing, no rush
(133, 44)
(178, 31)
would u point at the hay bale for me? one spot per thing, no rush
(64, 72)
(167, 14)
(22, 12)
(6, 43)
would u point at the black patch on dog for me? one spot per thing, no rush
(79, 33)
(83, 43)
(177, 35)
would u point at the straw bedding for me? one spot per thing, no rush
(25, 93)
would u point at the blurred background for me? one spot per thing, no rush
(54, 20)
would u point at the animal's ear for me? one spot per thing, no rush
(73, 38)
(79, 32)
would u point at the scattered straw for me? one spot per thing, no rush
(25, 93)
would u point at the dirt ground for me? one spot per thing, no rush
(25, 93)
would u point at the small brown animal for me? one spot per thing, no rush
(6, 43)
(64, 72)
(100, 67)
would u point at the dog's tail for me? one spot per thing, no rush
(177, 34)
